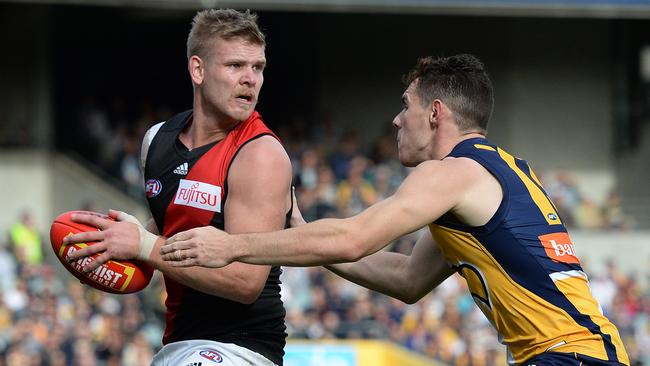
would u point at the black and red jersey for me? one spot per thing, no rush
(187, 189)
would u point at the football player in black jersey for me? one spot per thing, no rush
(216, 165)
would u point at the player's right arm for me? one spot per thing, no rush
(433, 188)
(258, 201)
(404, 277)
(459, 186)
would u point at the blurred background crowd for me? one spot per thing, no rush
(82, 80)
(49, 318)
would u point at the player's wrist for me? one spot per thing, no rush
(147, 239)
(147, 243)
(240, 249)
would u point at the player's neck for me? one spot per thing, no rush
(205, 128)
(445, 147)
(466, 136)
(470, 135)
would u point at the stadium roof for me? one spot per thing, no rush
(527, 8)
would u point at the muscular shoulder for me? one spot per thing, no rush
(479, 193)
(454, 179)
(261, 161)
(259, 184)
(263, 153)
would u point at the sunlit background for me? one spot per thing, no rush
(81, 81)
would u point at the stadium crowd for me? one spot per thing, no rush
(49, 318)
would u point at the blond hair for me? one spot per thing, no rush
(211, 24)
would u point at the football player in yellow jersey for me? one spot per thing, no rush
(490, 221)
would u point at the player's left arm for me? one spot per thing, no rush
(404, 277)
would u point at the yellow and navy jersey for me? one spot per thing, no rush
(522, 270)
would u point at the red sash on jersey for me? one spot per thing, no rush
(210, 172)
(211, 168)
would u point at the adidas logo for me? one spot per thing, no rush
(181, 169)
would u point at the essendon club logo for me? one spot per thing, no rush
(199, 195)
(558, 247)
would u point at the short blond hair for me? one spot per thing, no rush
(211, 24)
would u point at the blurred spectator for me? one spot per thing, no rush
(26, 240)
(130, 166)
(326, 188)
(94, 128)
(355, 193)
(604, 289)
(138, 352)
(384, 150)
(566, 189)
(588, 215)
(383, 182)
(349, 147)
(295, 289)
(7, 267)
(307, 172)
(614, 217)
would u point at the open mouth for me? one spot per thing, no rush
(246, 98)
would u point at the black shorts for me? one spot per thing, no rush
(567, 359)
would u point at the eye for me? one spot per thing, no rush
(234, 66)
(259, 67)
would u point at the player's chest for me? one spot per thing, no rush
(178, 183)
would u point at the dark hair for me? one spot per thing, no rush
(459, 81)
(211, 24)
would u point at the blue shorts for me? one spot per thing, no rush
(567, 359)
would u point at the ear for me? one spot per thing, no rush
(435, 108)
(196, 69)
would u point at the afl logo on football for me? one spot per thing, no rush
(152, 188)
(211, 355)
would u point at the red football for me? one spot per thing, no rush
(118, 277)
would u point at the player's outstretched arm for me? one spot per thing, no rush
(404, 277)
(432, 189)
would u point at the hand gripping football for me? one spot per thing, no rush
(117, 277)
